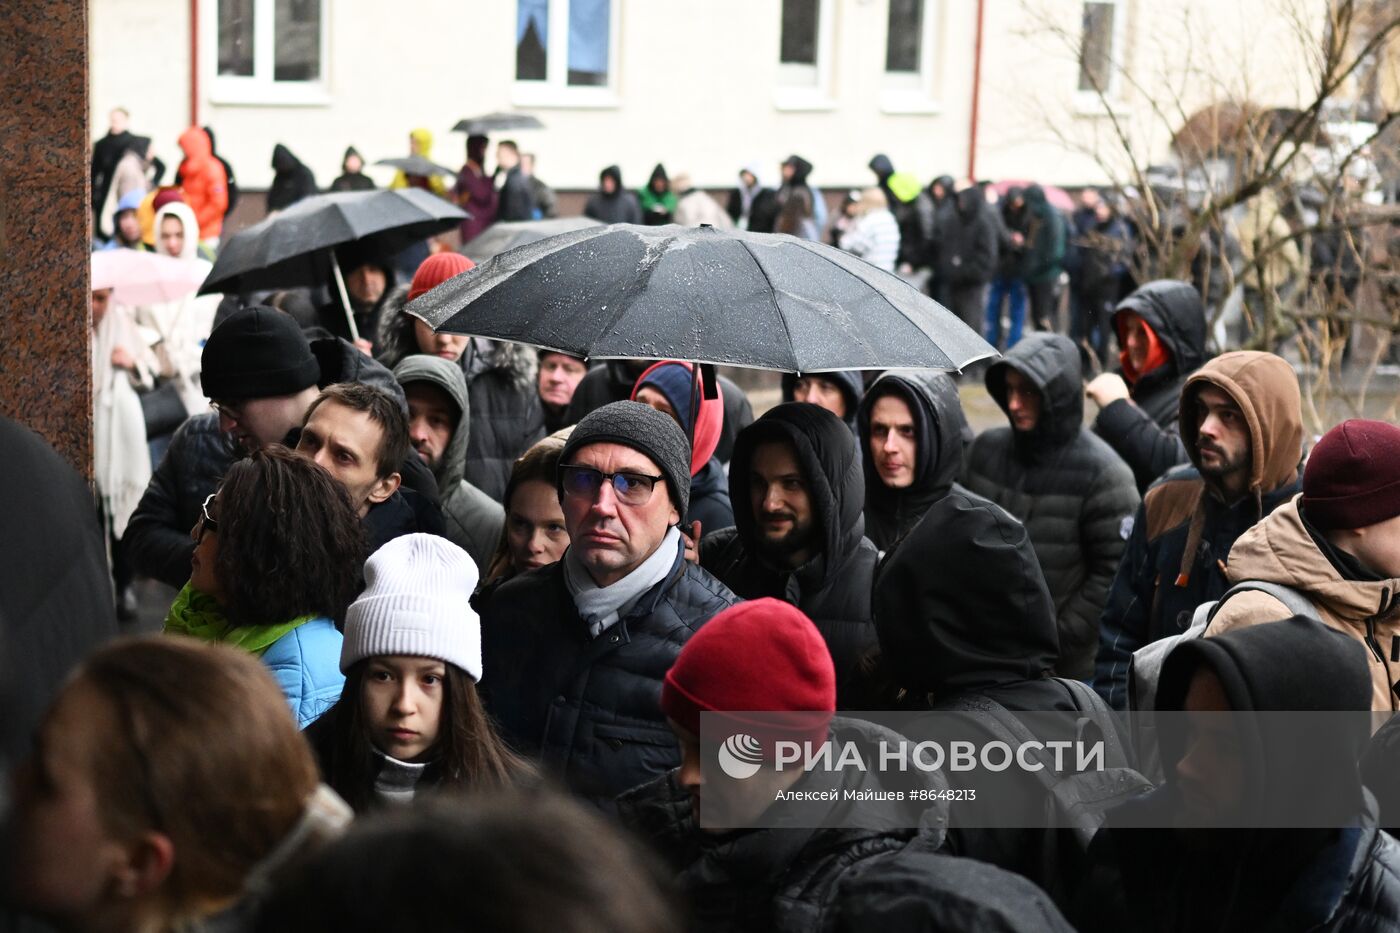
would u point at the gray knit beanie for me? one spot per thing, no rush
(644, 429)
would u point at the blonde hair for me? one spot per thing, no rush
(871, 199)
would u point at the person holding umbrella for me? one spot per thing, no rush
(420, 143)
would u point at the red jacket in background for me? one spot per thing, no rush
(204, 182)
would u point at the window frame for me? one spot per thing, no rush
(1091, 101)
(792, 94)
(555, 90)
(260, 88)
(919, 92)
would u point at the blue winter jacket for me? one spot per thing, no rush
(306, 664)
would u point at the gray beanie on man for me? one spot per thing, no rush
(644, 429)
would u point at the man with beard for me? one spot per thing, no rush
(798, 489)
(1242, 424)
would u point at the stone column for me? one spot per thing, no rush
(45, 307)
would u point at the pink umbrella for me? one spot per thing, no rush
(141, 278)
(1058, 197)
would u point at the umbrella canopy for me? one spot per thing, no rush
(140, 278)
(765, 301)
(500, 237)
(282, 251)
(493, 122)
(1058, 197)
(417, 165)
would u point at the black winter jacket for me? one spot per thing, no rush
(1071, 491)
(199, 454)
(943, 436)
(852, 385)
(589, 709)
(835, 587)
(620, 207)
(1144, 430)
(292, 181)
(507, 415)
(516, 199)
(968, 242)
(709, 498)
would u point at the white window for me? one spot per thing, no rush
(910, 83)
(1100, 45)
(266, 51)
(566, 53)
(804, 55)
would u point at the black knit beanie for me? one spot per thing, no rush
(644, 429)
(258, 352)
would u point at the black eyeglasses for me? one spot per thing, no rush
(584, 482)
(207, 521)
(233, 411)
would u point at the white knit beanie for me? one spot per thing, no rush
(417, 601)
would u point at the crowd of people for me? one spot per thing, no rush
(448, 610)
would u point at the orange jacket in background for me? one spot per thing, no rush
(203, 180)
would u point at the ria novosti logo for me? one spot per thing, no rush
(740, 756)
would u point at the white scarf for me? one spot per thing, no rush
(602, 606)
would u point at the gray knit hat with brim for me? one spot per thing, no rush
(644, 429)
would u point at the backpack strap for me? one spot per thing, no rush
(1009, 729)
(1087, 701)
(1295, 602)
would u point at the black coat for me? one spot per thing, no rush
(943, 435)
(507, 415)
(620, 207)
(851, 383)
(835, 587)
(1072, 492)
(589, 709)
(613, 381)
(199, 455)
(292, 181)
(967, 241)
(517, 199)
(709, 498)
(1144, 431)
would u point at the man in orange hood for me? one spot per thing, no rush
(1242, 426)
(205, 184)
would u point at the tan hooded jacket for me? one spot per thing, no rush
(1280, 550)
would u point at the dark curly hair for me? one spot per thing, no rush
(290, 542)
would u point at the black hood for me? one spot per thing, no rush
(613, 172)
(801, 168)
(659, 174)
(850, 381)
(213, 145)
(1051, 362)
(1174, 312)
(349, 151)
(948, 185)
(882, 166)
(941, 426)
(826, 452)
(970, 203)
(283, 160)
(961, 603)
(1293, 665)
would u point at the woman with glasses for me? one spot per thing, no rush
(277, 560)
(139, 810)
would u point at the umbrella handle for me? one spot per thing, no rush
(344, 298)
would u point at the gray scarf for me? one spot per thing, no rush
(602, 606)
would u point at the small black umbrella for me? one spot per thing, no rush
(417, 165)
(765, 301)
(287, 249)
(507, 235)
(494, 122)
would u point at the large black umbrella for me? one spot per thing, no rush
(296, 246)
(766, 301)
(417, 165)
(489, 123)
(507, 235)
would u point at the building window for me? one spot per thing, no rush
(904, 44)
(1097, 46)
(565, 52)
(910, 84)
(267, 51)
(799, 34)
(804, 54)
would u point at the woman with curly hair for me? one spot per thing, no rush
(277, 561)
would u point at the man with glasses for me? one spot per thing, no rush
(575, 652)
(261, 375)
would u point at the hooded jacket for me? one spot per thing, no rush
(1072, 492)
(473, 519)
(352, 181)
(967, 241)
(835, 587)
(912, 207)
(657, 208)
(506, 410)
(177, 329)
(434, 183)
(851, 384)
(943, 434)
(1258, 879)
(1284, 548)
(709, 492)
(291, 182)
(620, 207)
(204, 182)
(1144, 430)
(1184, 530)
(1045, 239)
(395, 340)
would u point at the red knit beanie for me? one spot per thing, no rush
(1353, 476)
(436, 269)
(758, 656)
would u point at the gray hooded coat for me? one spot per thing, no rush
(474, 520)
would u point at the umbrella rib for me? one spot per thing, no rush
(792, 350)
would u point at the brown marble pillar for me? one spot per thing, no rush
(45, 308)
